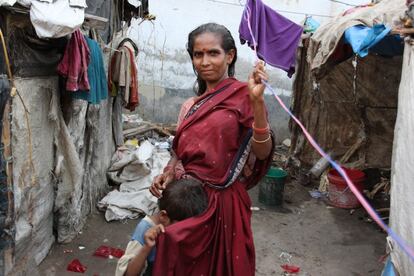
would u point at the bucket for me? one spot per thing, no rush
(271, 187)
(340, 195)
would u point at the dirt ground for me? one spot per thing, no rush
(321, 240)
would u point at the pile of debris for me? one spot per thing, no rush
(133, 167)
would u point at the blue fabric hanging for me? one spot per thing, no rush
(362, 38)
(96, 76)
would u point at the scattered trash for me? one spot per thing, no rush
(352, 212)
(81, 247)
(76, 266)
(255, 208)
(287, 143)
(67, 251)
(102, 251)
(290, 268)
(105, 240)
(286, 257)
(132, 143)
(320, 166)
(329, 207)
(162, 145)
(384, 185)
(116, 252)
(106, 252)
(134, 170)
(80, 232)
(318, 194)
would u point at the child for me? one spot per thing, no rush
(181, 199)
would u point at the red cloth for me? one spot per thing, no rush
(74, 65)
(219, 242)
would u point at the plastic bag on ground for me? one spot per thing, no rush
(76, 266)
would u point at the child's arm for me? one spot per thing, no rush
(137, 264)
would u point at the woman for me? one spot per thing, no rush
(223, 141)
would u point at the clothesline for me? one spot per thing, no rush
(279, 10)
(343, 3)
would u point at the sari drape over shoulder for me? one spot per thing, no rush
(213, 142)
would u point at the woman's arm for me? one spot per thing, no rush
(262, 141)
(161, 181)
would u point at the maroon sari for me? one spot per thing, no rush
(213, 143)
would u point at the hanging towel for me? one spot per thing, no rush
(277, 37)
(96, 75)
(74, 65)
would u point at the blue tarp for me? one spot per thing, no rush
(362, 38)
(310, 25)
(388, 269)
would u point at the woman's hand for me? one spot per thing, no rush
(256, 87)
(160, 183)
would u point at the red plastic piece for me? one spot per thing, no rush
(104, 252)
(290, 268)
(117, 253)
(76, 266)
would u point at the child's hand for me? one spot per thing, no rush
(152, 234)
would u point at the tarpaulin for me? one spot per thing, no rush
(56, 19)
(362, 38)
(402, 188)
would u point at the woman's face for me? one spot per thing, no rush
(210, 60)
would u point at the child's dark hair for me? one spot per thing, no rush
(183, 199)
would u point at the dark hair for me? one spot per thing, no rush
(227, 43)
(183, 199)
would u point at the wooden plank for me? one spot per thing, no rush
(403, 31)
(95, 22)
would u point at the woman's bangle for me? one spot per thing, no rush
(264, 130)
(262, 141)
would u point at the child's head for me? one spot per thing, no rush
(182, 199)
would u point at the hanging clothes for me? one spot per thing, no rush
(96, 76)
(277, 37)
(74, 65)
(122, 74)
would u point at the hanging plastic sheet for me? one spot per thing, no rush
(106, 9)
(7, 2)
(32, 56)
(310, 25)
(362, 38)
(57, 19)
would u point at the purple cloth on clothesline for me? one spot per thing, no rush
(276, 36)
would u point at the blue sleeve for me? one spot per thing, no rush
(138, 236)
(140, 230)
